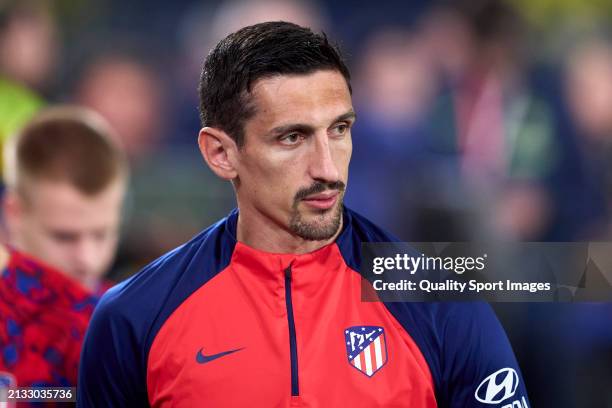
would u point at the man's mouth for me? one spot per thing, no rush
(322, 201)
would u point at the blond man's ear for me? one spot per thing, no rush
(12, 211)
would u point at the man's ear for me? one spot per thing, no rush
(219, 151)
(12, 209)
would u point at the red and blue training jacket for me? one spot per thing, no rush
(216, 323)
(43, 317)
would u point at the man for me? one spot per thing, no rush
(65, 180)
(263, 308)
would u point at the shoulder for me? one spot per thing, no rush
(359, 227)
(130, 314)
(146, 299)
(462, 342)
(356, 230)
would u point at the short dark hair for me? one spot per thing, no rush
(255, 52)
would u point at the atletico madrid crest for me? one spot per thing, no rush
(366, 348)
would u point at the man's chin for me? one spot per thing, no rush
(317, 224)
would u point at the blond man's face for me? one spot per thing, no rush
(76, 233)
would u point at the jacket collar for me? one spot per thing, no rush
(264, 262)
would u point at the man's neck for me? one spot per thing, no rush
(262, 234)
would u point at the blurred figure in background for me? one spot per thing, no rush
(127, 93)
(499, 133)
(585, 329)
(28, 56)
(28, 43)
(65, 182)
(394, 104)
(588, 86)
(233, 14)
(196, 39)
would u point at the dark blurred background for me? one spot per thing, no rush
(477, 119)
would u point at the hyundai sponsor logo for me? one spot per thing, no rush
(498, 386)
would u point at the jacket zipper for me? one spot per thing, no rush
(295, 386)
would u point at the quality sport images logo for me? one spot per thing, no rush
(499, 387)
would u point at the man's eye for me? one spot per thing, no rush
(64, 237)
(291, 139)
(341, 129)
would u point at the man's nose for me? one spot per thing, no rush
(86, 255)
(322, 166)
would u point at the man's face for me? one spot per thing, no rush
(66, 229)
(293, 167)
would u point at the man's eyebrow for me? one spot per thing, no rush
(293, 127)
(305, 128)
(350, 115)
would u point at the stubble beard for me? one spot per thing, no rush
(321, 227)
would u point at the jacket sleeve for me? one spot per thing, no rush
(112, 369)
(478, 367)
